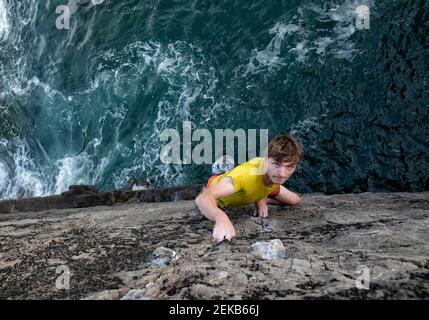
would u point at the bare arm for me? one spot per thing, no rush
(285, 197)
(261, 208)
(206, 203)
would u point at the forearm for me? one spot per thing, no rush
(261, 208)
(275, 202)
(208, 207)
(206, 203)
(261, 202)
(295, 199)
(286, 197)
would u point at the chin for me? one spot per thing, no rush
(279, 181)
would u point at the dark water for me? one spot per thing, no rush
(87, 105)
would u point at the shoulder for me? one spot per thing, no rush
(246, 174)
(249, 166)
(224, 187)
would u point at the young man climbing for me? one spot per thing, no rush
(257, 181)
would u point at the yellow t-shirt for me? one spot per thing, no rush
(248, 183)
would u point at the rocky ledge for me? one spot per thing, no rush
(354, 246)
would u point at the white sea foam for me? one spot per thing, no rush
(89, 31)
(345, 17)
(183, 70)
(304, 39)
(270, 56)
(180, 67)
(187, 97)
(4, 22)
(322, 44)
(4, 178)
(72, 170)
(21, 88)
(167, 65)
(41, 46)
(305, 125)
(30, 182)
(300, 50)
(101, 167)
(21, 175)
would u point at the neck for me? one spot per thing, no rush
(267, 180)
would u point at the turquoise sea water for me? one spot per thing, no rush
(87, 104)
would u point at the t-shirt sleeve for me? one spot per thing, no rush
(236, 181)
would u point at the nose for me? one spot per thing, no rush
(282, 172)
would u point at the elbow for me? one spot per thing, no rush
(205, 200)
(297, 201)
(198, 201)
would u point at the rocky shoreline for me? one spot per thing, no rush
(82, 196)
(154, 244)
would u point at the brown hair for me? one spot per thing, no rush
(285, 148)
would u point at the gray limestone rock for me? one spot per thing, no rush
(164, 256)
(273, 249)
(150, 292)
(350, 246)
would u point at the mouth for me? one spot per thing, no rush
(280, 178)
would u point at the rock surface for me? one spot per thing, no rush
(273, 249)
(163, 256)
(83, 196)
(329, 244)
